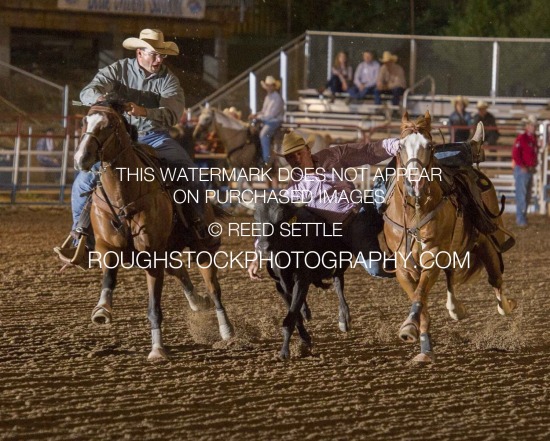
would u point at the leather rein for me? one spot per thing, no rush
(412, 234)
(104, 203)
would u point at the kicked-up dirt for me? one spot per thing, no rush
(62, 377)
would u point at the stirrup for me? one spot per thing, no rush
(78, 258)
(506, 244)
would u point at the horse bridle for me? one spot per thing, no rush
(101, 145)
(431, 148)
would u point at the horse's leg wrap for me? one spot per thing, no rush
(425, 343)
(102, 313)
(409, 330)
(226, 329)
(156, 338)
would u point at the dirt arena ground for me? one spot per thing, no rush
(61, 377)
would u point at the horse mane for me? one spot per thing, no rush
(422, 125)
(119, 106)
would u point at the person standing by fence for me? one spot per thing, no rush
(524, 155)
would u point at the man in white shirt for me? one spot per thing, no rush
(271, 115)
(364, 80)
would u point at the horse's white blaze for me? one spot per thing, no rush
(92, 122)
(414, 145)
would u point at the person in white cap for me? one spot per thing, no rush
(489, 122)
(154, 103)
(271, 115)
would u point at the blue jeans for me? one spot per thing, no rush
(396, 92)
(166, 147)
(357, 94)
(266, 134)
(524, 184)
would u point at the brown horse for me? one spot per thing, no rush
(137, 221)
(426, 230)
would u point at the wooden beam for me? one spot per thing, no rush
(32, 14)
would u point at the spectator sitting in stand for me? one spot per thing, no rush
(489, 122)
(460, 118)
(364, 80)
(391, 79)
(342, 74)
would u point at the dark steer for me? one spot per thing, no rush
(297, 255)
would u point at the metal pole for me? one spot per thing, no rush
(29, 158)
(283, 71)
(15, 176)
(494, 74)
(252, 92)
(306, 61)
(330, 50)
(64, 161)
(412, 64)
(65, 105)
(544, 184)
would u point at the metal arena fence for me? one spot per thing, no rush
(499, 68)
(489, 67)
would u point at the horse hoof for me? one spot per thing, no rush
(507, 306)
(458, 313)
(226, 331)
(424, 358)
(343, 326)
(199, 303)
(157, 355)
(101, 315)
(409, 333)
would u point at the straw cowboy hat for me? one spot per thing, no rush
(531, 119)
(482, 104)
(460, 99)
(292, 142)
(270, 81)
(388, 56)
(233, 111)
(152, 39)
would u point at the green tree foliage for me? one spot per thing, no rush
(479, 18)
(502, 18)
(372, 16)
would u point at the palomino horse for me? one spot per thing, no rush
(426, 229)
(234, 135)
(134, 216)
(241, 141)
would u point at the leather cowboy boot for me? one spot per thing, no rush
(74, 250)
